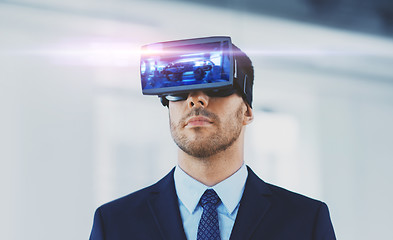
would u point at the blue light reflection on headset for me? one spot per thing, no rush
(188, 65)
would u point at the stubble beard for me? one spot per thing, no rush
(200, 145)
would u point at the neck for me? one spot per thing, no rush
(216, 168)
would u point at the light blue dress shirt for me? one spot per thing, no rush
(189, 191)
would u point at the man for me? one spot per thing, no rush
(211, 194)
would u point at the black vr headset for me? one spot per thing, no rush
(213, 65)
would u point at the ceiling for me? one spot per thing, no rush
(368, 16)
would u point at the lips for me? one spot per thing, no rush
(198, 122)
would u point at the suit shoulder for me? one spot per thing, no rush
(281, 195)
(137, 201)
(290, 212)
(138, 198)
(294, 199)
(131, 200)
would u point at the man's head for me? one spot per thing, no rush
(207, 85)
(203, 125)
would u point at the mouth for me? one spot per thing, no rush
(198, 122)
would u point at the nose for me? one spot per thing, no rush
(197, 99)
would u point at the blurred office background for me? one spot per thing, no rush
(76, 132)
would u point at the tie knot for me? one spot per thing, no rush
(209, 198)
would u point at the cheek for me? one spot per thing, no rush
(174, 115)
(235, 117)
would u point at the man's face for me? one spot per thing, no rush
(202, 126)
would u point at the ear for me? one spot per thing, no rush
(248, 115)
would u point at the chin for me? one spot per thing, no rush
(200, 138)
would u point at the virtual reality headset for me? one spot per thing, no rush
(173, 69)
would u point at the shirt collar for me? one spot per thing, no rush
(230, 191)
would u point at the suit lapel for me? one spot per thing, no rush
(165, 209)
(253, 206)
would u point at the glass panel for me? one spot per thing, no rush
(185, 65)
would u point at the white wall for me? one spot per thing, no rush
(76, 131)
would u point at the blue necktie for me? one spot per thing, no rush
(208, 228)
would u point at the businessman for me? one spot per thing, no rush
(211, 193)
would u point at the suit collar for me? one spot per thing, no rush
(230, 190)
(164, 206)
(253, 206)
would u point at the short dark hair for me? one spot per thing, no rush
(245, 80)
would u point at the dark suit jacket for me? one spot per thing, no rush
(266, 212)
